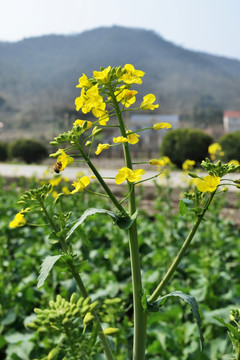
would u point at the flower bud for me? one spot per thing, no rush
(110, 331)
(53, 353)
(73, 298)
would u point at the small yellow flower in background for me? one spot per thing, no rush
(166, 160)
(157, 162)
(55, 181)
(132, 137)
(208, 184)
(120, 139)
(54, 194)
(92, 177)
(80, 184)
(65, 190)
(102, 75)
(81, 122)
(83, 81)
(215, 150)
(18, 221)
(147, 103)
(131, 76)
(64, 159)
(162, 125)
(188, 164)
(125, 96)
(110, 331)
(128, 174)
(101, 147)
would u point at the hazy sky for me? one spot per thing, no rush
(212, 26)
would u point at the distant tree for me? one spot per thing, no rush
(28, 150)
(3, 151)
(231, 145)
(182, 144)
(2, 100)
(206, 112)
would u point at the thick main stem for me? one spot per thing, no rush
(140, 316)
(157, 292)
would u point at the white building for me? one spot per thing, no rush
(231, 121)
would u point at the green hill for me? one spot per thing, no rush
(38, 75)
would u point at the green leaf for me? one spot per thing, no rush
(123, 222)
(46, 267)
(182, 208)
(187, 298)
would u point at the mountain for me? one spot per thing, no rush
(38, 75)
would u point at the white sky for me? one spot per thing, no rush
(212, 26)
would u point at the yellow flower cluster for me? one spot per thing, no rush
(215, 150)
(188, 164)
(131, 76)
(128, 174)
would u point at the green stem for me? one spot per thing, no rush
(80, 284)
(140, 316)
(238, 355)
(157, 292)
(101, 181)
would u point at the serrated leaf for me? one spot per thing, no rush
(46, 267)
(187, 298)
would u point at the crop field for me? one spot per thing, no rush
(209, 272)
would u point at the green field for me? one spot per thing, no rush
(209, 272)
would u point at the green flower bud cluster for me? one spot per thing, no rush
(219, 169)
(35, 194)
(235, 314)
(62, 314)
(70, 320)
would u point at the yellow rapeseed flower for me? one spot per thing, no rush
(64, 159)
(83, 81)
(80, 184)
(125, 96)
(55, 181)
(162, 125)
(208, 184)
(65, 190)
(128, 174)
(234, 162)
(215, 150)
(188, 164)
(132, 137)
(147, 103)
(101, 147)
(81, 122)
(131, 76)
(103, 75)
(120, 139)
(18, 221)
